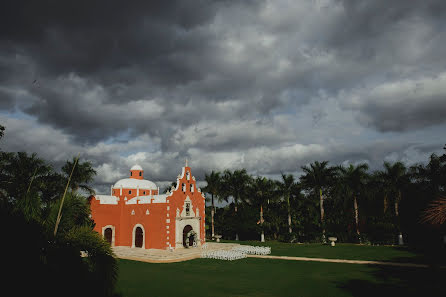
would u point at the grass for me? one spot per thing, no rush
(266, 277)
(261, 277)
(342, 251)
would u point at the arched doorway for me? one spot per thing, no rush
(186, 230)
(139, 237)
(108, 235)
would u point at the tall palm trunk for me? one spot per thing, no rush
(212, 216)
(236, 215)
(355, 205)
(397, 213)
(397, 201)
(290, 230)
(322, 215)
(262, 236)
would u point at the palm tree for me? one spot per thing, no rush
(2, 131)
(378, 180)
(169, 187)
(436, 212)
(235, 184)
(53, 262)
(262, 190)
(433, 175)
(76, 234)
(396, 178)
(285, 187)
(83, 174)
(318, 176)
(354, 179)
(22, 174)
(213, 187)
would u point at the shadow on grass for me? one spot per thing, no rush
(401, 281)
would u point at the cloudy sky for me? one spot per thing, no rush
(264, 85)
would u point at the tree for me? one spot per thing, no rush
(395, 178)
(432, 176)
(436, 212)
(213, 188)
(22, 174)
(285, 188)
(83, 174)
(235, 184)
(54, 263)
(2, 131)
(318, 177)
(169, 187)
(261, 190)
(378, 180)
(354, 179)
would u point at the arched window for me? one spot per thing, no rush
(184, 187)
(188, 175)
(140, 173)
(130, 191)
(192, 188)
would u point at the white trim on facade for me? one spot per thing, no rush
(180, 223)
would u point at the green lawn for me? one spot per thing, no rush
(267, 277)
(342, 251)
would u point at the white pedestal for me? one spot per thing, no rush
(400, 239)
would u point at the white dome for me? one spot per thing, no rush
(136, 167)
(133, 183)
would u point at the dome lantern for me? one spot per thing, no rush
(136, 172)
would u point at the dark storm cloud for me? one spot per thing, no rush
(94, 36)
(7, 101)
(367, 19)
(406, 118)
(132, 52)
(405, 105)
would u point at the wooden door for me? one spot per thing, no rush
(108, 235)
(139, 236)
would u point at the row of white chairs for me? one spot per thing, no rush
(253, 250)
(229, 255)
(238, 252)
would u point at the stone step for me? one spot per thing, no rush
(159, 256)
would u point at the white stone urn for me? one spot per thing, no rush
(332, 240)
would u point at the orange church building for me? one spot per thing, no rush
(135, 214)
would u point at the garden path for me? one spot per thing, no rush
(342, 261)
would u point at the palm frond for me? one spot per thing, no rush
(436, 212)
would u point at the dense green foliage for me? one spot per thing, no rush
(348, 202)
(36, 262)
